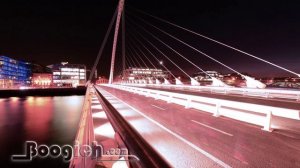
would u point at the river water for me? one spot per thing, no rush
(46, 120)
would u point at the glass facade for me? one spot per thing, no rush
(138, 73)
(68, 74)
(13, 72)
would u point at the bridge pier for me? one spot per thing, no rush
(218, 82)
(166, 81)
(252, 83)
(194, 82)
(157, 82)
(178, 81)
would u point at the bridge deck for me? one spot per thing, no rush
(235, 143)
(175, 150)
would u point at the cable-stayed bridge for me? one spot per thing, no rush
(161, 119)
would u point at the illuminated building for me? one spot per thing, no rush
(13, 72)
(201, 76)
(144, 73)
(65, 74)
(41, 79)
(101, 80)
(235, 79)
(41, 76)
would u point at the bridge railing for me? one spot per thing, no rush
(247, 112)
(266, 93)
(85, 135)
(144, 154)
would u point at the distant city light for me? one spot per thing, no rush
(64, 63)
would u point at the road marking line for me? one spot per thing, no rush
(223, 132)
(158, 107)
(210, 156)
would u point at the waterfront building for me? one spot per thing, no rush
(41, 76)
(201, 76)
(102, 80)
(41, 79)
(144, 73)
(65, 74)
(14, 73)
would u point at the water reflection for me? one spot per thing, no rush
(46, 120)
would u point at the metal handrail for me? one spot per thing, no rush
(85, 133)
(135, 143)
(187, 100)
(276, 93)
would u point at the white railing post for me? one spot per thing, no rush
(188, 103)
(267, 94)
(133, 90)
(170, 99)
(244, 92)
(148, 93)
(268, 122)
(136, 91)
(217, 110)
(156, 97)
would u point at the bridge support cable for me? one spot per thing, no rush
(103, 44)
(153, 55)
(251, 82)
(132, 49)
(157, 81)
(128, 62)
(132, 64)
(129, 65)
(140, 50)
(195, 49)
(123, 42)
(218, 42)
(140, 80)
(114, 48)
(136, 54)
(131, 59)
(177, 81)
(135, 50)
(149, 42)
(216, 82)
(134, 58)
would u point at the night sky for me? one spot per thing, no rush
(48, 32)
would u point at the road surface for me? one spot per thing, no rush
(193, 138)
